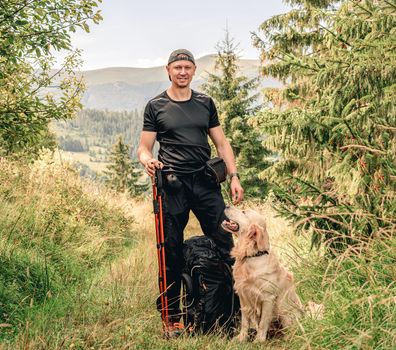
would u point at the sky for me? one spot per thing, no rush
(143, 33)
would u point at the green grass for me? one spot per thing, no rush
(78, 272)
(358, 290)
(53, 240)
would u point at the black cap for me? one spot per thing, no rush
(181, 55)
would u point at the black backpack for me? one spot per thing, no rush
(209, 301)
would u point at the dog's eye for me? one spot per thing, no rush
(243, 212)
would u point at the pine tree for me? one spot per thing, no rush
(334, 121)
(123, 174)
(138, 185)
(236, 103)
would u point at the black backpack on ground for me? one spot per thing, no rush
(208, 298)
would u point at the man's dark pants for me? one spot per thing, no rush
(206, 202)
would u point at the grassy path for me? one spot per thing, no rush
(127, 318)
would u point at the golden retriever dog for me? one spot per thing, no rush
(265, 287)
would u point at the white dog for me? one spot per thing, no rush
(265, 287)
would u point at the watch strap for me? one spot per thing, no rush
(231, 175)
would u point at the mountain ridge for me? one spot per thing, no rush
(129, 88)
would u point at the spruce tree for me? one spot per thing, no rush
(123, 174)
(236, 101)
(334, 121)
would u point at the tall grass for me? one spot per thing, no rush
(53, 237)
(358, 290)
(78, 271)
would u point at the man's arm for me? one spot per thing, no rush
(145, 152)
(224, 151)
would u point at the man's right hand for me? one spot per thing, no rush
(151, 165)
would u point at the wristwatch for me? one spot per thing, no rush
(231, 175)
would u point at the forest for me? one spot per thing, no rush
(99, 128)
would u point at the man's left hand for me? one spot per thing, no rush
(236, 190)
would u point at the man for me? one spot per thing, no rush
(181, 119)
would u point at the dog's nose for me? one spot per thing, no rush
(227, 207)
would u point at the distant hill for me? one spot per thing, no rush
(124, 88)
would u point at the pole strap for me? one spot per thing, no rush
(156, 207)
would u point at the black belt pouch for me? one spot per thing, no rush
(216, 171)
(172, 183)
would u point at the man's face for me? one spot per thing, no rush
(181, 72)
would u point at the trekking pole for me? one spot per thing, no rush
(159, 230)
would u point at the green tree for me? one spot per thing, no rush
(123, 174)
(334, 121)
(31, 92)
(237, 102)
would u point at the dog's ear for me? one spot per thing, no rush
(252, 232)
(263, 239)
(260, 235)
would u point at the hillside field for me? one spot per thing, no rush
(78, 270)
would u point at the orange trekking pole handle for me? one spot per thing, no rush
(159, 230)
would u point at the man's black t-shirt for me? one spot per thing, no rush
(182, 130)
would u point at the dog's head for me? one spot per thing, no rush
(249, 226)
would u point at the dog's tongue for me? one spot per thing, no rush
(230, 225)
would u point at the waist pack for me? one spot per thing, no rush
(216, 170)
(209, 301)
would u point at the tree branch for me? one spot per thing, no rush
(369, 149)
(386, 127)
(15, 12)
(338, 37)
(390, 4)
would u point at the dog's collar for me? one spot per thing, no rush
(259, 253)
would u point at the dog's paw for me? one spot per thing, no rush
(243, 336)
(261, 338)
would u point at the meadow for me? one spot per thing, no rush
(78, 270)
